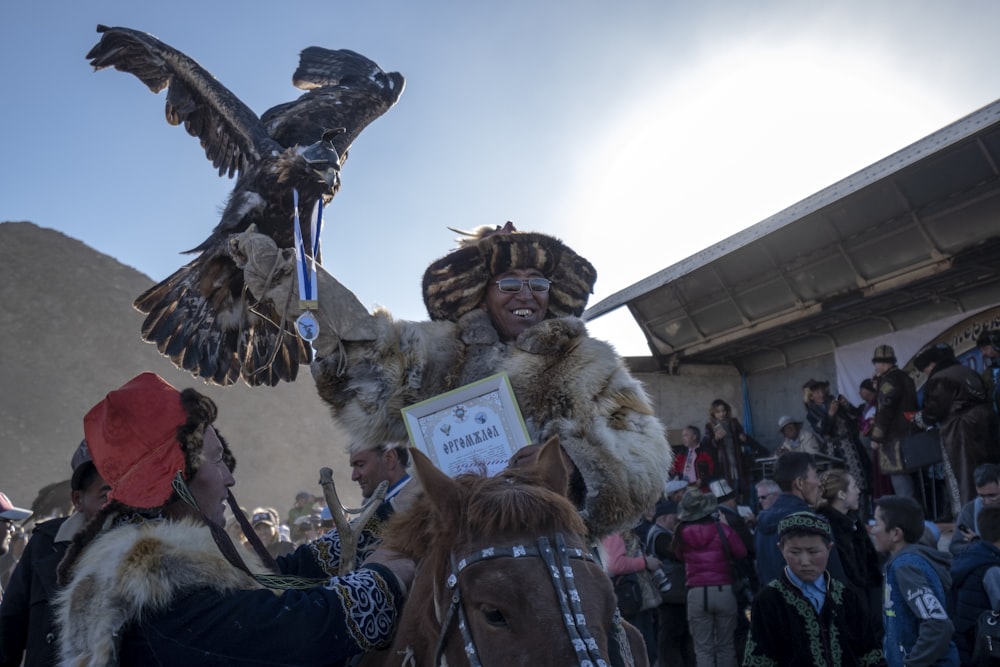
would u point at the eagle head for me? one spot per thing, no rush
(323, 158)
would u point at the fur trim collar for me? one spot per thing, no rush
(135, 570)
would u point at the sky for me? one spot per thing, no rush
(638, 132)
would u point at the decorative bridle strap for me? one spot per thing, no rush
(560, 572)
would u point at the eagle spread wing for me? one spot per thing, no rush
(201, 316)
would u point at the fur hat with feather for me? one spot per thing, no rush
(456, 283)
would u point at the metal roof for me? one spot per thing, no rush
(908, 239)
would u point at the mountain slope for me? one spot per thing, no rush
(69, 334)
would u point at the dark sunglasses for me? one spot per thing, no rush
(515, 285)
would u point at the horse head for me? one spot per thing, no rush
(505, 575)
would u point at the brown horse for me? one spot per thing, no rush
(504, 575)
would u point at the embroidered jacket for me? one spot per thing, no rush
(785, 628)
(162, 594)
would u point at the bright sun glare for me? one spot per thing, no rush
(733, 142)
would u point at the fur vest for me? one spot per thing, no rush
(134, 570)
(566, 383)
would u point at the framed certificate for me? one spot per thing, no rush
(475, 428)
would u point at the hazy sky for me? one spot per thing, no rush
(639, 132)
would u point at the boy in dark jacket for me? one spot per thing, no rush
(806, 617)
(918, 631)
(795, 473)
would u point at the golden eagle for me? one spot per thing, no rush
(202, 317)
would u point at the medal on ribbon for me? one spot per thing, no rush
(307, 324)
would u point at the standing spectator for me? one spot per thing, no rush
(767, 492)
(9, 561)
(27, 629)
(183, 593)
(692, 462)
(881, 484)
(746, 568)
(729, 513)
(987, 480)
(370, 466)
(897, 398)
(975, 575)
(731, 447)
(805, 617)
(306, 528)
(917, 628)
(955, 401)
(795, 474)
(304, 506)
(673, 636)
(839, 501)
(797, 439)
(711, 602)
(836, 421)
(675, 489)
(988, 343)
(265, 523)
(8, 515)
(626, 556)
(866, 409)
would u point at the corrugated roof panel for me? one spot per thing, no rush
(921, 225)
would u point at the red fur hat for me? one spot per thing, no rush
(133, 438)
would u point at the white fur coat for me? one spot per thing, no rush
(134, 570)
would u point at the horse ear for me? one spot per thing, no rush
(551, 467)
(440, 489)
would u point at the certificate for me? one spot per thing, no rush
(475, 428)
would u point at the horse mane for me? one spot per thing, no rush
(512, 504)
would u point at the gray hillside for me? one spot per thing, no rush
(69, 335)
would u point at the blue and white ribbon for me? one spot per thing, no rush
(306, 324)
(306, 264)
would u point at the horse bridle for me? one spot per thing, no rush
(560, 569)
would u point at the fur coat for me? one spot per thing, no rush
(162, 593)
(566, 383)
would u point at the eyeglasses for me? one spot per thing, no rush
(515, 285)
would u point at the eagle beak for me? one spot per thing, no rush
(322, 158)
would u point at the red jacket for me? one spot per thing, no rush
(700, 547)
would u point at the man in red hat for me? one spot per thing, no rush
(155, 579)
